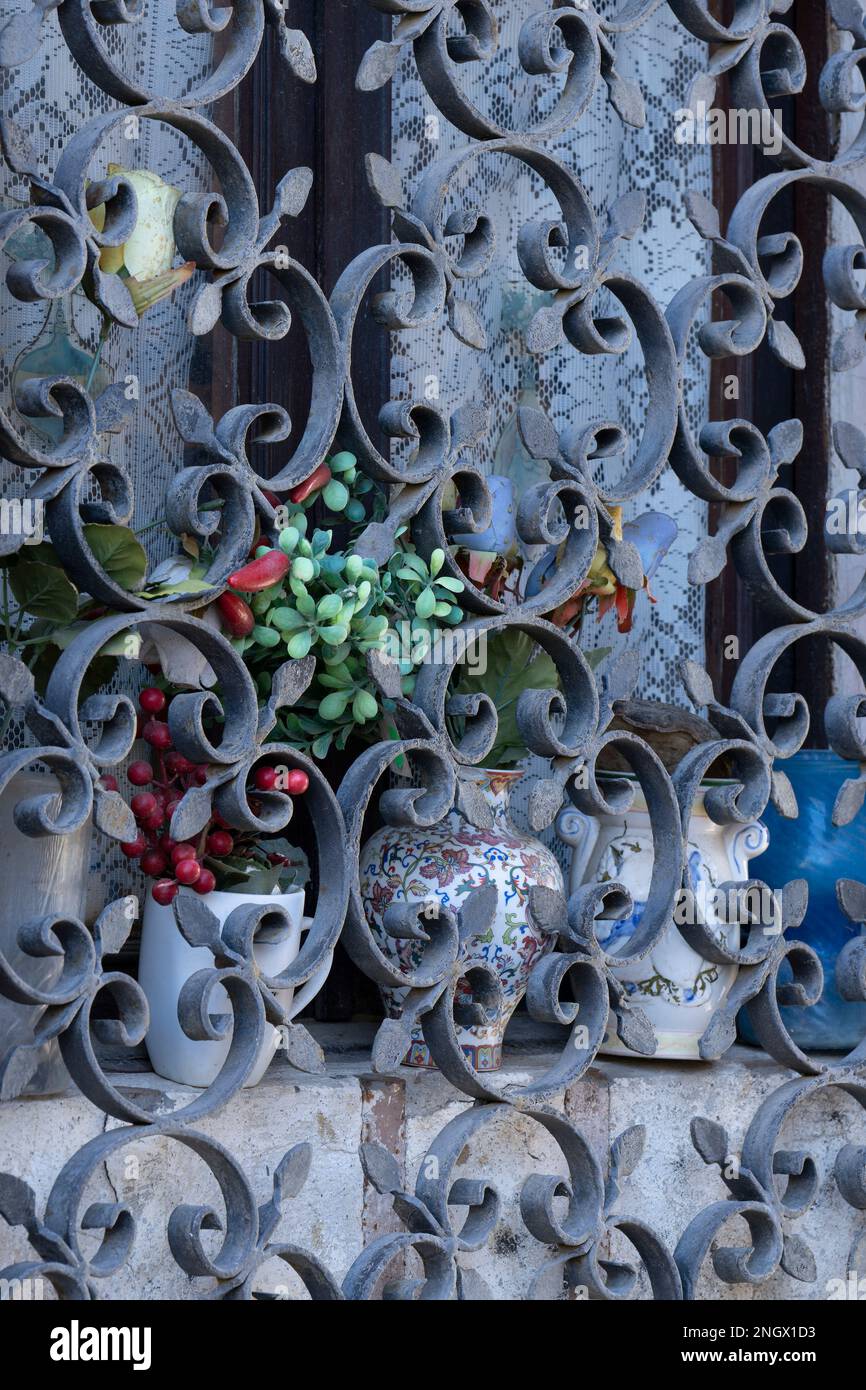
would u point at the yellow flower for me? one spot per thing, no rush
(144, 261)
(601, 579)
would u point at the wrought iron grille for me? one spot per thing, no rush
(81, 739)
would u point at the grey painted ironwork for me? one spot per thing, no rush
(79, 741)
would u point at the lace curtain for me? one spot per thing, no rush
(610, 159)
(51, 98)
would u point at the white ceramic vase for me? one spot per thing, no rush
(447, 862)
(678, 990)
(167, 961)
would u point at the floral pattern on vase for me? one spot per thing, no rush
(676, 987)
(448, 861)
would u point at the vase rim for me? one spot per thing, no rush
(258, 899)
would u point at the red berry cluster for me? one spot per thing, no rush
(160, 855)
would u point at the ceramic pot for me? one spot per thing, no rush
(811, 847)
(167, 961)
(447, 862)
(678, 990)
(45, 876)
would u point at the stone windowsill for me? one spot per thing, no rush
(337, 1213)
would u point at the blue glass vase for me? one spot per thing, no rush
(812, 848)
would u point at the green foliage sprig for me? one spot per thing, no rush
(337, 605)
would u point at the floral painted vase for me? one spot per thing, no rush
(678, 990)
(447, 862)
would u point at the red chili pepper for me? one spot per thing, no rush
(262, 573)
(237, 615)
(271, 497)
(319, 479)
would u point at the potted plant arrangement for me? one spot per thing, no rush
(296, 598)
(226, 867)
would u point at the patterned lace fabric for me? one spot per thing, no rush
(610, 159)
(51, 98)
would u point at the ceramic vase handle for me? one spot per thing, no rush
(581, 832)
(745, 842)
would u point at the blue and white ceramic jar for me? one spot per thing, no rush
(678, 990)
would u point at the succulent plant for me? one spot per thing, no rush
(337, 605)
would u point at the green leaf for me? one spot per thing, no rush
(254, 878)
(44, 552)
(44, 591)
(456, 586)
(414, 562)
(333, 706)
(287, 619)
(303, 569)
(364, 706)
(119, 552)
(329, 607)
(332, 656)
(126, 644)
(342, 672)
(514, 664)
(299, 644)
(336, 495)
(190, 585)
(425, 603)
(437, 560)
(265, 636)
(321, 745)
